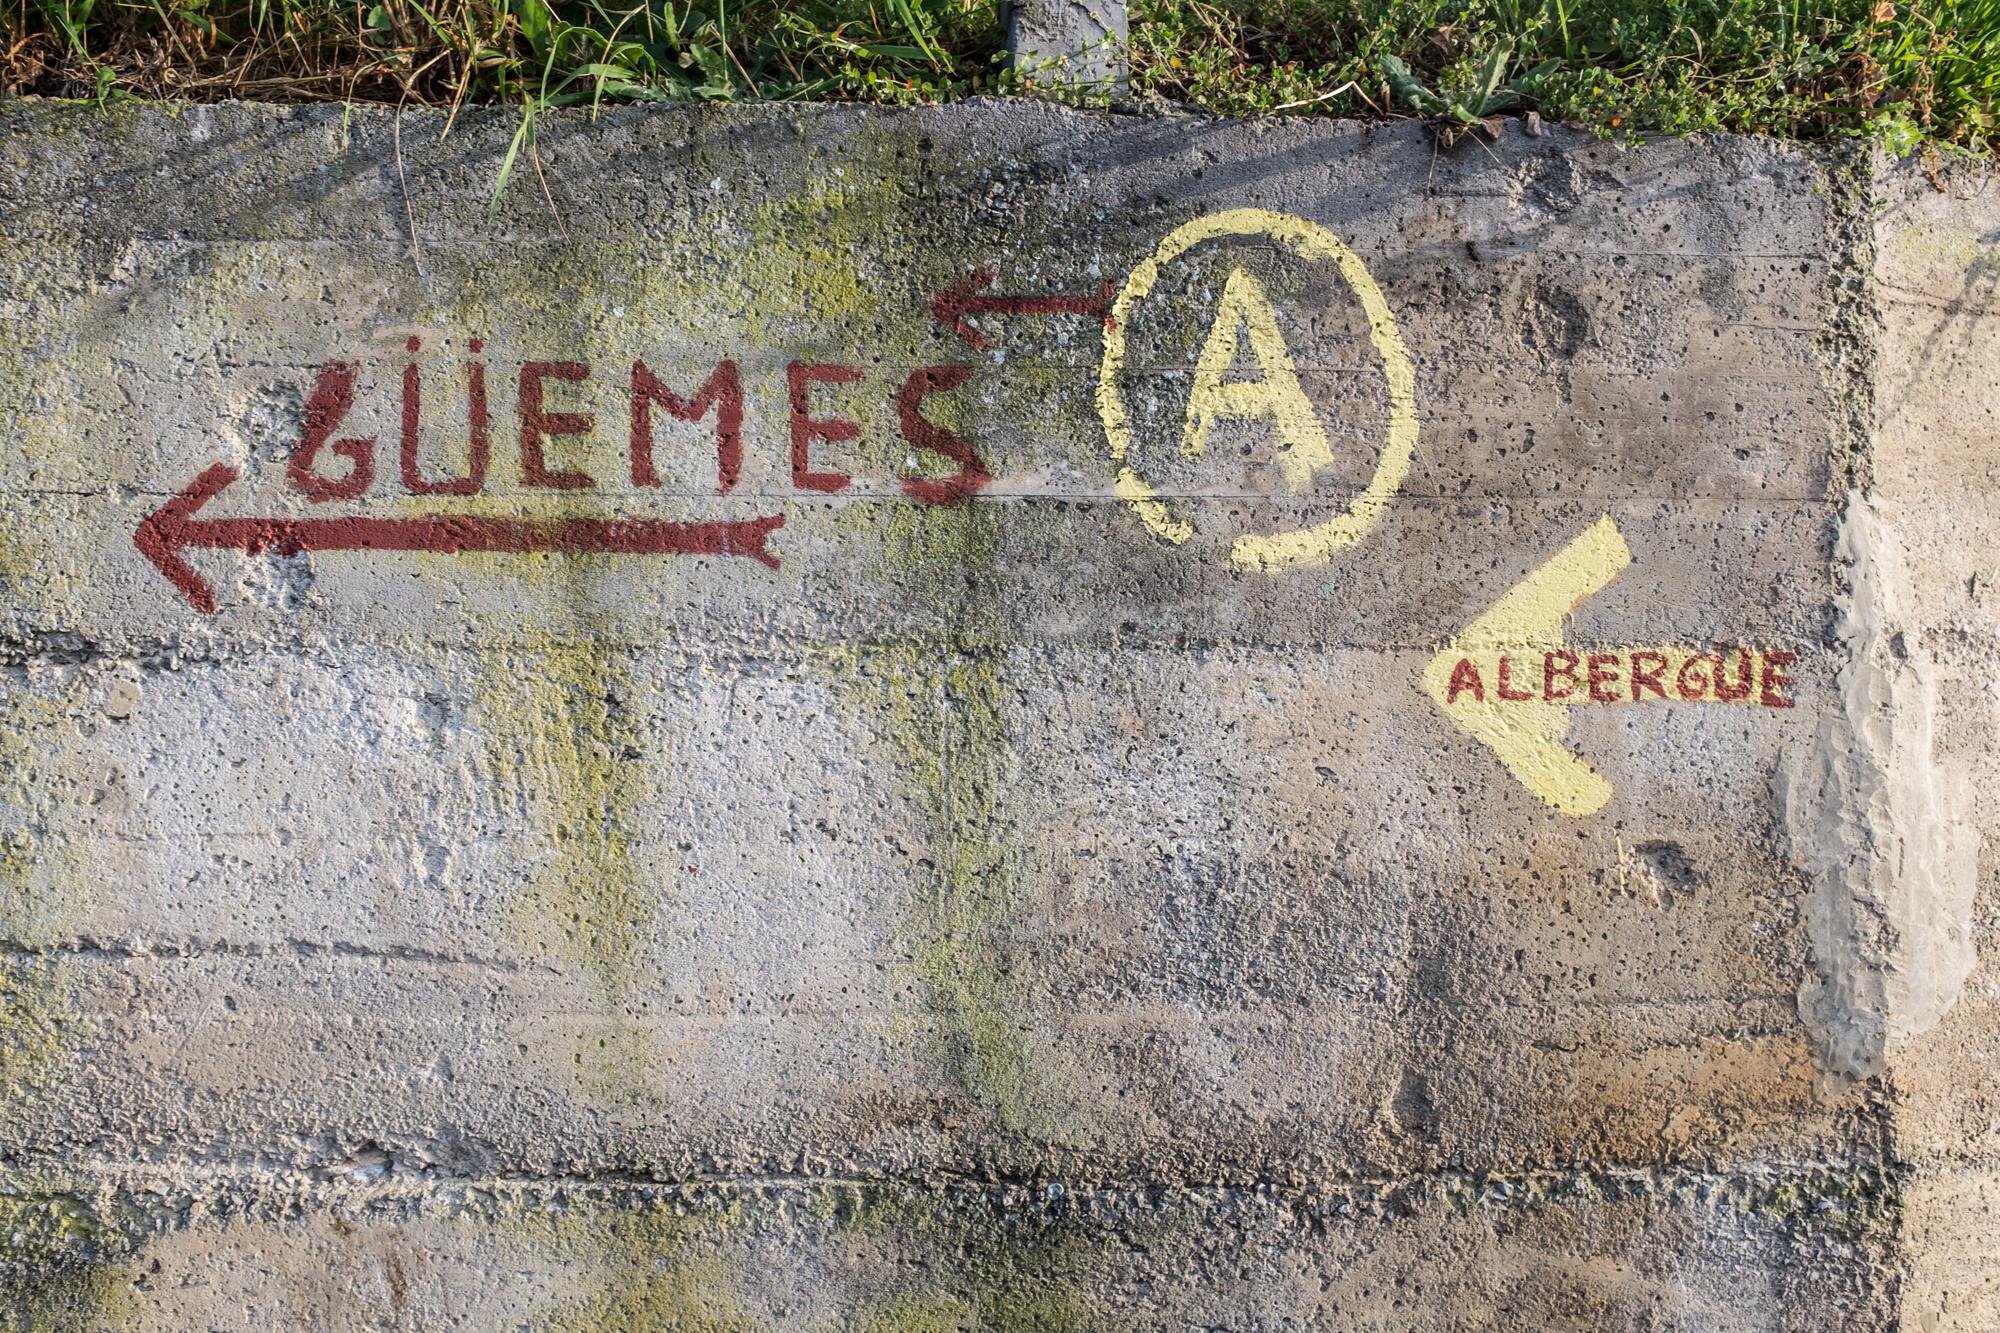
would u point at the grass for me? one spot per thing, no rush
(1928, 73)
(1921, 74)
(532, 53)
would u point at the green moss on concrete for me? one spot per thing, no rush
(919, 1259)
(741, 273)
(939, 702)
(38, 904)
(960, 951)
(659, 1268)
(1006, 1309)
(1852, 1206)
(1010, 1311)
(67, 1301)
(37, 1012)
(16, 562)
(929, 1312)
(81, 1299)
(796, 272)
(40, 398)
(63, 1257)
(942, 714)
(684, 1295)
(1960, 247)
(749, 276)
(59, 1253)
(1020, 1262)
(565, 747)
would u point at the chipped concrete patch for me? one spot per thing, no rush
(1880, 826)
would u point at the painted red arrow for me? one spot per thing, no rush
(966, 297)
(173, 527)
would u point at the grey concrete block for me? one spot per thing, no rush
(1077, 43)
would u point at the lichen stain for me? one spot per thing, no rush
(51, 355)
(17, 563)
(60, 1258)
(569, 757)
(1024, 1266)
(755, 278)
(914, 1260)
(39, 902)
(1954, 246)
(940, 702)
(928, 1312)
(653, 1269)
(758, 278)
(996, 1311)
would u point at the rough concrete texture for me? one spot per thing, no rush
(1051, 889)
(1078, 42)
(1936, 244)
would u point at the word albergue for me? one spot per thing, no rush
(1624, 675)
(719, 395)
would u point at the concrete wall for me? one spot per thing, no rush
(1937, 480)
(1057, 877)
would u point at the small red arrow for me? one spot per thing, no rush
(964, 297)
(173, 527)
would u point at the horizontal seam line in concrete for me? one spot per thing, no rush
(1590, 366)
(479, 245)
(14, 952)
(18, 951)
(423, 1182)
(738, 498)
(963, 644)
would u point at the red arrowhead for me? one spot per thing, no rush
(164, 534)
(951, 305)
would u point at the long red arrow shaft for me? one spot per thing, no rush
(452, 534)
(173, 526)
(967, 297)
(1048, 304)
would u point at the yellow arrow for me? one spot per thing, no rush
(1508, 682)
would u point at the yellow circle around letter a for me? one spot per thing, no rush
(1306, 546)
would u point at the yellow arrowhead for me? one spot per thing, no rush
(1527, 737)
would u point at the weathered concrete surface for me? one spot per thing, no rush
(1933, 467)
(996, 914)
(1079, 42)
